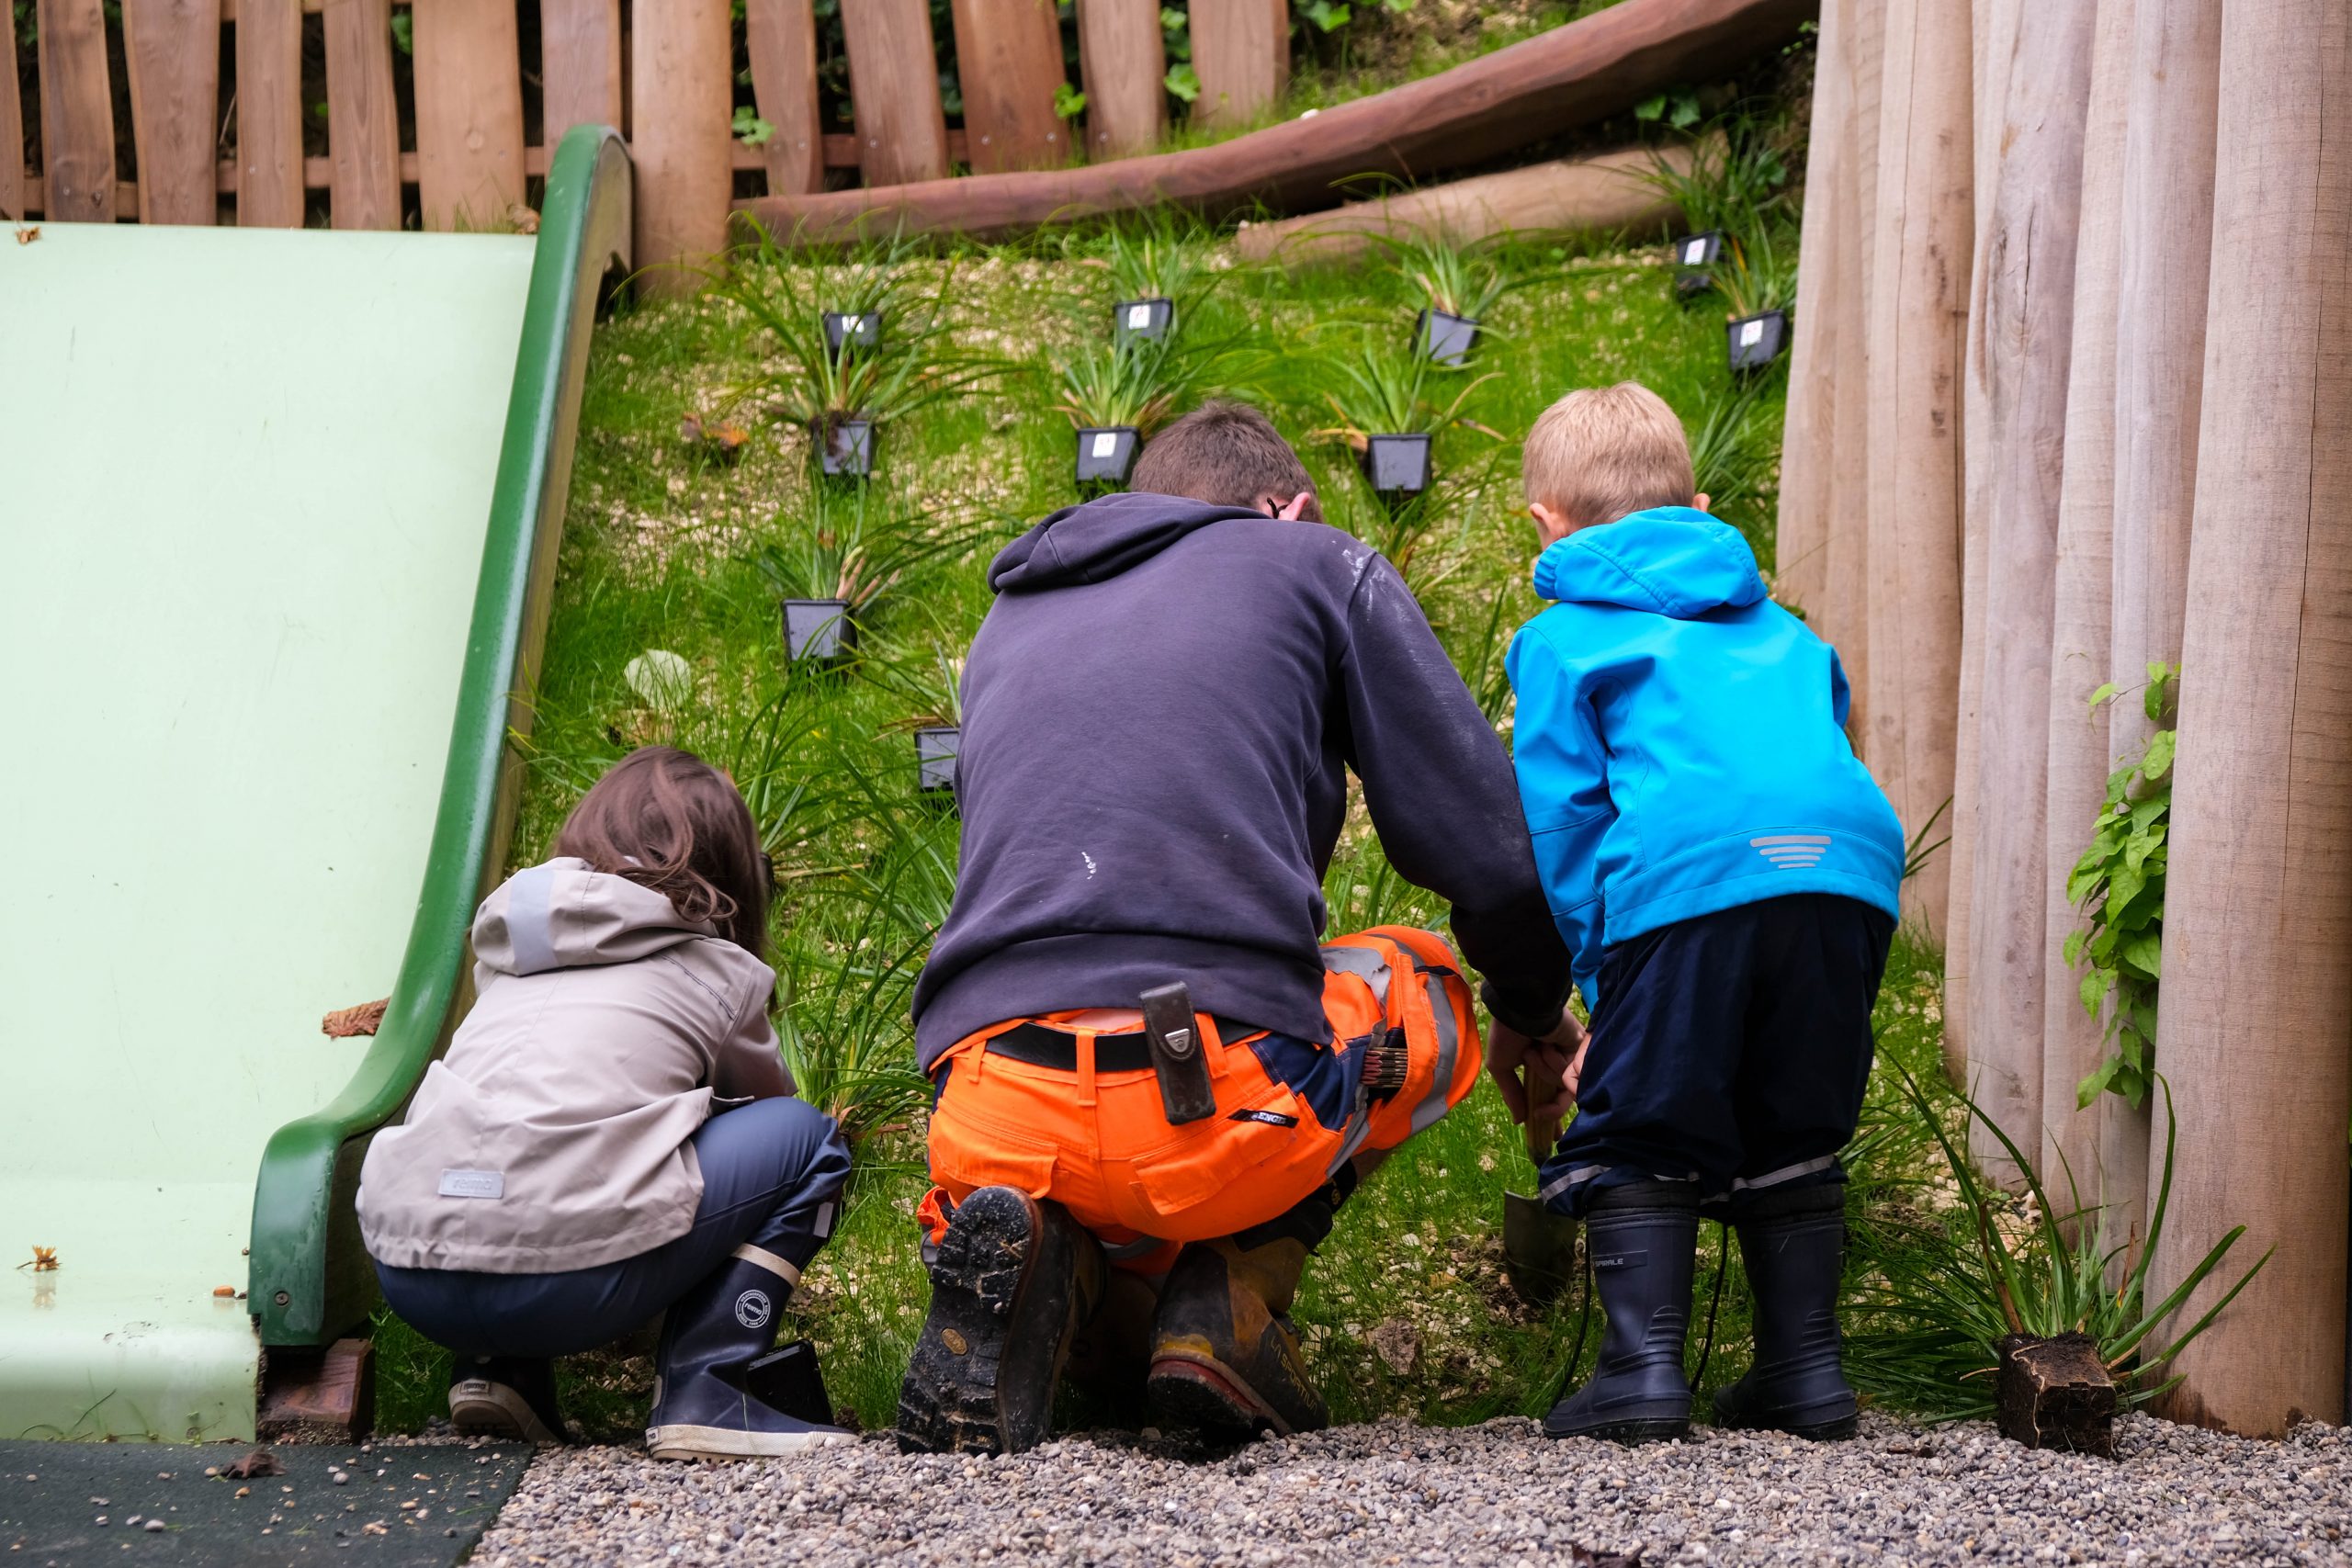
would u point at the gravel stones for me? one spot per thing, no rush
(1394, 1492)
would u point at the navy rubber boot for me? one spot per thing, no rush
(1642, 1240)
(1794, 1246)
(505, 1396)
(701, 1408)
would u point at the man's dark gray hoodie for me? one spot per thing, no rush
(1159, 713)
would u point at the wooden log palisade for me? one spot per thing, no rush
(205, 148)
(2143, 209)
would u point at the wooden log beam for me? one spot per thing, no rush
(2073, 1042)
(1550, 84)
(2165, 236)
(1919, 327)
(2257, 971)
(2029, 262)
(1604, 191)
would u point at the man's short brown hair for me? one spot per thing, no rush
(1603, 452)
(1224, 454)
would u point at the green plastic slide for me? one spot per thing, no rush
(278, 512)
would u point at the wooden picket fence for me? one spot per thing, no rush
(218, 112)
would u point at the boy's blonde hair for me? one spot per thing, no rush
(1601, 453)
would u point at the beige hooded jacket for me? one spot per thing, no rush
(554, 1135)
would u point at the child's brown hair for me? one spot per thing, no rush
(1603, 452)
(668, 820)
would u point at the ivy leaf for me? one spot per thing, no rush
(1184, 82)
(1069, 101)
(2071, 950)
(2143, 950)
(2124, 884)
(2158, 760)
(405, 32)
(1327, 15)
(2094, 987)
(750, 128)
(1651, 108)
(2106, 693)
(2091, 1087)
(1686, 115)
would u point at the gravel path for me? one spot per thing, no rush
(1497, 1494)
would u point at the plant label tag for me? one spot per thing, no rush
(1138, 318)
(1105, 443)
(1752, 333)
(852, 323)
(1695, 251)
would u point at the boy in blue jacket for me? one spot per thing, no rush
(1723, 873)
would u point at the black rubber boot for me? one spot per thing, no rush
(1224, 1356)
(1794, 1246)
(505, 1396)
(1642, 1240)
(1014, 1280)
(709, 1337)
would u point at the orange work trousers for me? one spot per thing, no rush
(1289, 1113)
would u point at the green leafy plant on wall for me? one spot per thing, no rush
(2120, 886)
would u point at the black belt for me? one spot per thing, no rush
(1043, 1045)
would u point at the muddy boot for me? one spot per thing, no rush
(1224, 1358)
(504, 1396)
(1794, 1246)
(1642, 1240)
(710, 1337)
(1014, 1280)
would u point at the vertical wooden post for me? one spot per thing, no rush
(782, 37)
(1843, 614)
(469, 113)
(2029, 261)
(580, 67)
(1993, 32)
(172, 49)
(270, 114)
(1826, 283)
(1008, 58)
(1241, 53)
(894, 91)
(76, 113)
(1122, 60)
(12, 130)
(2258, 960)
(2165, 236)
(363, 122)
(1918, 329)
(2073, 1042)
(682, 50)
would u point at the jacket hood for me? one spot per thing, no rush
(1670, 560)
(562, 915)
(1101, 538)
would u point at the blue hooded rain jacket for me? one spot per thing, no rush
(1681, 740)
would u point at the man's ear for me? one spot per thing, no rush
(1301, 505)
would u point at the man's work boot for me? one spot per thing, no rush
(1014, 1278)
(1794, 1246)
(1223, 1356)
(1642, 1240)
(504, 1396)
(709, 1336)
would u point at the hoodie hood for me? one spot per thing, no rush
(1670, 561)
(563, 915)
(1101, 538)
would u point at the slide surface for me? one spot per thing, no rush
(247, 547)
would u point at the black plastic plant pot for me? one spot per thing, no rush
(1447, 339)
(1757, 341)
(1106, 454)
(1693, 253)
(1143, 318)
(818, 630)
(935, 747)
(853, 329)
(847, 447)
(1398, 466)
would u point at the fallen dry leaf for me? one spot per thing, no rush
(27, 234)
(43, 1259)
(344, 1024)
(228, 1290)
(1397, 1344)
(259, 1462)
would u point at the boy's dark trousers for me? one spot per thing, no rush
(1730, 1050)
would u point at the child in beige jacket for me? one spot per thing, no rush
(565, 1173)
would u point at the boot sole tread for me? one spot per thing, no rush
(949, 1402)
(1206, 1394)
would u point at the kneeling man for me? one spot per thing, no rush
(1148, 1065)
